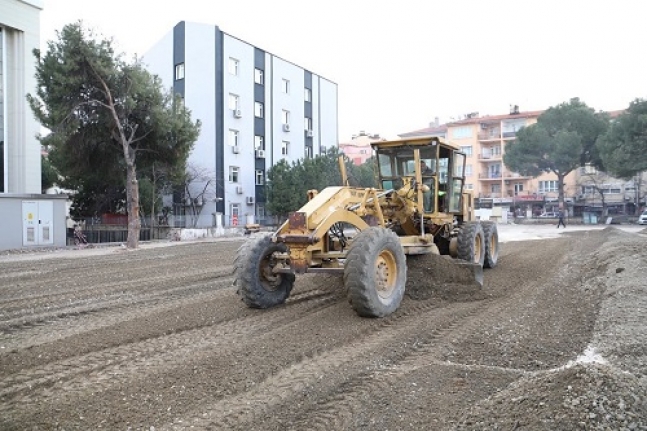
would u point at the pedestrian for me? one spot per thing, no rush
(561, 219)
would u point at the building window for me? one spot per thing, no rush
(496, 188)
(233, 174)
(518, 188)
(258, 110)
(234, 101)
(233, 137)
(260, 211)
(285, 146)
(286, 86)
(234, 210)
(179, 71)
(469, 186)
(307, 123)
(260, 177)
(259, 76)
(286, 117)
(307, 95)
(259, 143)
(547, 186)
(468, 170)
(467, 149)
(308, 152)
(233, 66)
(462, 132)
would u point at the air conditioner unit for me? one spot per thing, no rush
(238, 113)
(239, 190)
(235, 149)
(286, 127)
(260, 154)
(310, 133)
(250, 200)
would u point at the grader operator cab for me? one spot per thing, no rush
(365, 234)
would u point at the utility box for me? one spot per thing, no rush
(32, 220)
(37, 223)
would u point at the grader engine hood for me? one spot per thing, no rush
(304, 230)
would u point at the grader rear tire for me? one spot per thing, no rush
(471, 243)
(258, 287)
(375, 273)
(491, 235)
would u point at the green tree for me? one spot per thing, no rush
(107, 117)
(364, 174)
(562, 140)
(288, 185)
(49, 176)
(624, 146)
(281, 194)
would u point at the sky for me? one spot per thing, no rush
(399, 65)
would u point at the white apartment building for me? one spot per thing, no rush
(29, 219)
(19, 148)
(256, 108)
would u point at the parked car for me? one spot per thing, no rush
(643, 218)
(549, 215)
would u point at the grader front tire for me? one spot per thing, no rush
(375, 272)
(258, 286)
(491, 235)
(471, 243)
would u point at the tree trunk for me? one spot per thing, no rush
(132, 196)
(560, 191)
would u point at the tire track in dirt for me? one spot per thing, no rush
(229, 367)
(34, 297)
(122, 364)
(102, 300)
(250, 406)
(72, 275)
(32, 334)
(345, 401)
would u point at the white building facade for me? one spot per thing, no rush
(255, 108)
(20, 170)
(29, 219)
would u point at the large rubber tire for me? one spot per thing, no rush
(491, 234)
(257, 285)
(471, 243)
(375, 273)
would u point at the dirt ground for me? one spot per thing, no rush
(156, 339)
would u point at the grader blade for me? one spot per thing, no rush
(474, 268)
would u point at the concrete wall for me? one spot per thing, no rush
(12, 226)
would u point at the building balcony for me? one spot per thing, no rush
(490, 176)
(486, 157)
(508, 135)
(489, 195)
(514, 176)
(489, 135)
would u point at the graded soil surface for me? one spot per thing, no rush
(157, 339)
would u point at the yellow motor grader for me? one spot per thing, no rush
(365, 234)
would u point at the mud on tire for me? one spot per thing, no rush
(258, 287)
(491, 235)
(471, 243)
(375, 272)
